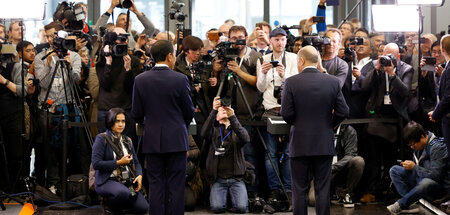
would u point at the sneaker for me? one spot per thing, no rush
(347, 201)
(394, 208)
(52, 189)
(367, 198)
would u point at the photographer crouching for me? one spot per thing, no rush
(118, 173)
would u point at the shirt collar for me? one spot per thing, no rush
(161, 65)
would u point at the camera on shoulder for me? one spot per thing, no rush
(116, 49)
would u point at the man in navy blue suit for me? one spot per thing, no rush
(162, 102)
(312, 102)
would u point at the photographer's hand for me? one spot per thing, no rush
(439, 70)
(68, 60)
(80, 43)
(217, 103)
(114, 3)
(389, 70)
(265, 67)
(233, 66)
(230, 111)
(135, 10)
(408, 165)
(106, 49)
(280, 70)
(30, 87)
(127, 62)
(138, 179)
(356, 72)
(50, 57)
(125, 160)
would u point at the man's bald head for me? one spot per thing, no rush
(392, 48)
(307, 56)
(224, 29)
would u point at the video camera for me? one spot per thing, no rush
(386, 60)
(70, 15)
(316, 41)
(225, 50)
(290, 43)
(62, 45)
(110, 39)
(176, 11)
(200, 68)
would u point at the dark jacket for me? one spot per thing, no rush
(346, 148)
(162, 102)
(432, 162)
(307, 103)
(115, 84)
(443, 107)
(239, 137)
(103, 159)
(355, 97)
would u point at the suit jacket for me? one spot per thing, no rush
(399, 86)
(355, 97)
(308, 101)
(443, 107)
(103, 159)
(162, 102)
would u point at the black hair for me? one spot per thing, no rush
(111, 117)
(412, 132)
(22, 44)
(160, 49)
(437, 43)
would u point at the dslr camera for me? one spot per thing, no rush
(125, 4)
(117, 50)
(127, 180)
(386, 60)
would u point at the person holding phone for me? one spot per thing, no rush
(261, 36)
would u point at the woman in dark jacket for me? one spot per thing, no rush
(118, 175)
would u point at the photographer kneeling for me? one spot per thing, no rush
(118, 176)
(225, 164)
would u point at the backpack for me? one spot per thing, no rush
(92, 170)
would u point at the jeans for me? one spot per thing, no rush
(238, 194)
(412, 188)
(272, 146)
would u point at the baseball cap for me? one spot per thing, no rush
(278, 31)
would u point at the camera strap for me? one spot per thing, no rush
(222, 139)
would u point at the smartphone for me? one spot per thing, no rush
(274, 63)
(213, 35)
(430, 60)
(319, 19)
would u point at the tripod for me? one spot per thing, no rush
(241, 91)
(72, 98)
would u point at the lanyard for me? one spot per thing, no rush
(430, 138)
(223, 139)
(242, 59)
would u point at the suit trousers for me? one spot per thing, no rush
(166, 177)
(320, 169)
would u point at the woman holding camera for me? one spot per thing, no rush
(118, 173)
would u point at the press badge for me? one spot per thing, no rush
(387, 100)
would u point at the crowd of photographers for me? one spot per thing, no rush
(81, 72)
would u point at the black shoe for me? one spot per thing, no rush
(274, 195)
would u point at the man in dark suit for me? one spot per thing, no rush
(442, 110)
(312, 102)
(162, 102)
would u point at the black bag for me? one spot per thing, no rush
(78, 188)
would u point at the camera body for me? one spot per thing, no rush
(176, 11)
(72, 16)
(225, 50)
(386, 60)
(200, 68)
(125, 4)
(277, 93)
(127, 180)
(118, 50)
(316, 41)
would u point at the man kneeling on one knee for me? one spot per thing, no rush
(225, 164)
(422, 176)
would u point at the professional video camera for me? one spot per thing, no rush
(110, 39)
(125, 4)
(225, 50)
(176, 11)
(7, 51)
(316, 41)
(202, 69)
(70, 15)
(290, 43)
(386, 60)
(62, 45)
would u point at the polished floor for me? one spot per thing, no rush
(370, 209)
